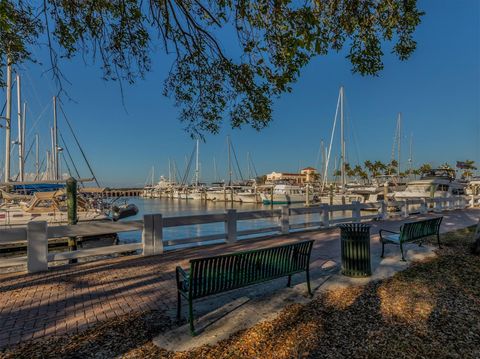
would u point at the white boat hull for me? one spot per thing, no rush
(284, 198)
(18, 217)
(249, 197)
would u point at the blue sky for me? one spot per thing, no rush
(437, 91)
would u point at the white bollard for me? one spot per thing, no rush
(285, 220)
(157, 234)
(326, 215)
(37, 247)
(383, 210)
(405, 208)
(423, 206)
(231, 225)
(357, 216)
(147, 235)
(152, 235)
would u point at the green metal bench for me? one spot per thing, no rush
(411, 232)
(213, 275)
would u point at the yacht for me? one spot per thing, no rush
(439, 183)
(224, 194)
(473, 187)
(286, 194)
(375, 192)
(250, 196)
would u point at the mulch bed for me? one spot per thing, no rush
(432, 309)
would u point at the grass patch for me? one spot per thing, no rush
(432, 309)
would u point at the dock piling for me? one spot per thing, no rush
(72, 213)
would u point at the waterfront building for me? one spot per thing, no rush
(306, 175)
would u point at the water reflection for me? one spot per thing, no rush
(173, 207)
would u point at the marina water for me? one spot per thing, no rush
(175, 208)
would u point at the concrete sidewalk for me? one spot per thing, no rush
(72, 298)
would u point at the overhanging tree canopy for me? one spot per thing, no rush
(276, 39)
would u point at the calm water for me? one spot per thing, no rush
(174, 207)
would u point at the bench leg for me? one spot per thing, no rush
(190, 317)
(308, 283)
(289, 283)
(383, 249)
(179, 305)
(438, 240)
(401, 250)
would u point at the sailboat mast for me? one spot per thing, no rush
(55, 144)
(215, 176)
(19, 135)
(46, 175)
(37, 169)
(153, 176)
(342, 140)
(24, 126)
(196, 165)
(174, 172)
(169, 172)
(52, 158)
(322, 151)
(229, 162)
(248, 165)
(8, 120)
(410, 159)
(399, 141)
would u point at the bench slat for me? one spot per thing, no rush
(221, 273)
(411, 231)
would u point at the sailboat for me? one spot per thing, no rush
(44, 196)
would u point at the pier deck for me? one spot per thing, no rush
(72, 298)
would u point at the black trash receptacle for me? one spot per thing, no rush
(355, 241)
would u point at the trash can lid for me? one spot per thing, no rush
(353, 225)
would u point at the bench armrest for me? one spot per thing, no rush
(182, 278)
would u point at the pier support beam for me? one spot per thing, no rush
(37, 247)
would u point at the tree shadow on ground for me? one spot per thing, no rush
(428, 310)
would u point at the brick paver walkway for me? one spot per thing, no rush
(73, 298)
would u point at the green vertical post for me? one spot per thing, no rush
(72, 212)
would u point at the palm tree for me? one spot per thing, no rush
(369, 166)
(363, 175)
(471, 164)
(349, 171)
(415, 173)
(445, 166)
(468, 167)
(378, 168)
(358, 169)
(392, 168)
(467, 173)
(425, 168)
